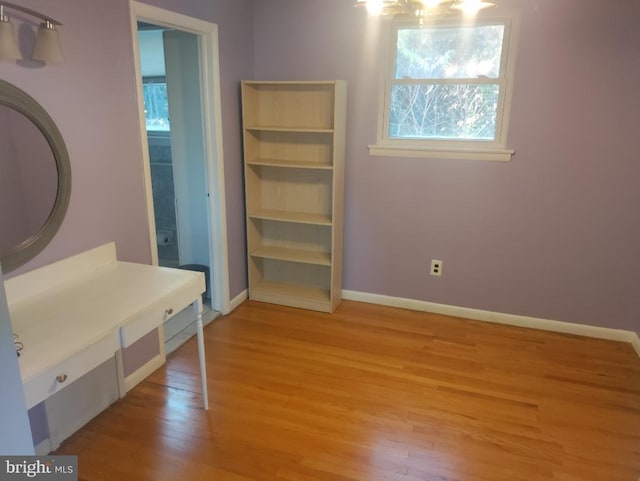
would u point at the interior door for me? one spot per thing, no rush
(182, 60)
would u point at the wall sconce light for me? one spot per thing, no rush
(47, 47)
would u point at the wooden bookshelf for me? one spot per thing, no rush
(294, 138)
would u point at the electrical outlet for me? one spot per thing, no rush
(436, 267)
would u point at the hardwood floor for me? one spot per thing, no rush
(372, 393)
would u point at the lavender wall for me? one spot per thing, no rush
(91, 97)
(14, 224)
(552, 234)
(28, 184)
(38, 172)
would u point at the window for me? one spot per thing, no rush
(156, 104)
(447, 91)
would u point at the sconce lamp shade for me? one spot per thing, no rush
(47, 47)
(9, 50)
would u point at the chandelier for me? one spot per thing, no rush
(423, 8)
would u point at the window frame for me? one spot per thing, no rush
(493, 150)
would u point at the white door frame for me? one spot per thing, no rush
(212, 121)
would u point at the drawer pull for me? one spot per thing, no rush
(61, 378)
(169, 311)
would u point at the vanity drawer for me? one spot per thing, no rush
(153, 317)
(56, 378)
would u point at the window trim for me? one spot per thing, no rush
(491, 150)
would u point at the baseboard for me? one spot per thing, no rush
(141, 374)
(239, 299)
(43, 448)
(497, 317)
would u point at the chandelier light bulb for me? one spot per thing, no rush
(374, 7)
(470, 7)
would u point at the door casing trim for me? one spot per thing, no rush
(207, 33)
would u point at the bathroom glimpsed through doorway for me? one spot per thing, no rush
(171, 87)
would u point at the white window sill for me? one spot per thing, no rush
(496, 155)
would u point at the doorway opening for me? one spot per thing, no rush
(182, 155)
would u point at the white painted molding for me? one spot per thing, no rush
(497, 317)
(495, 150)
(236, 301)
(212, 117)
(393, 150)
(141, 374)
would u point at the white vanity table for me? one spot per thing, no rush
(75, 314)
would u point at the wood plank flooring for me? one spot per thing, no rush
(372, 393)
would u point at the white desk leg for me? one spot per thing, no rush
(122, 390)
(197, 307)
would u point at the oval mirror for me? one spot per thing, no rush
(35, 177)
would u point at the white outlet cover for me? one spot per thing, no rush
(436, 267)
